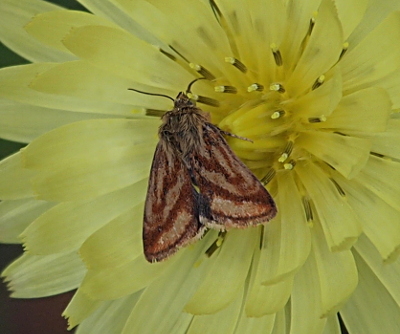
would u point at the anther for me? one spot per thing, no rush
(277, 87)
(225, 89)
(277, 54)
(216, 244)
(154, 112)
(312, 23)
(307, 209)
(338, 188)
(318, 82)
(237, 63)
(278, 114)
(289, 165)
(255, 87)
(317, 119)
(287, 151)
(204, 100)
(344, 49)
(202, 71)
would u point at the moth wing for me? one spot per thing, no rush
(171, 212)
(230, 194)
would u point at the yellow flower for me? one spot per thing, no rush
(314, 84)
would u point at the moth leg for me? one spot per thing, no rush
(226, 133)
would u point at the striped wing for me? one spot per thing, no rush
(171, 211)
(230, 195)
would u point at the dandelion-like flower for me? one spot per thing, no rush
(315, 85)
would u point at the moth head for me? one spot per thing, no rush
(182, 101)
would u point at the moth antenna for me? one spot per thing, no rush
(153, 94)
(191, 83)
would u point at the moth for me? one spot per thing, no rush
(197, 182)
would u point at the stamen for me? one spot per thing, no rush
(255, 87)
(204, 100)
(216, 244)
(287, 151)
(277, 54)
(237, 63)
(177, 52)
(290, 165)
(203, 72)
(225, 89)
(317, 119)
(261, 236)
(268, 177)
(312, 23)
(338, 187)
(307, 209)
(378, 155)
(277, 87)
(278, 114)
(169, 55)
(318, 82)
(154, 112)
(344, 49)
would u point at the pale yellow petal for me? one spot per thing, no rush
(332, 326)
(23, 122)
(305, 301)
(350, 13)
(33, 276)
(380, 221)
(387, 274)
(82, 80)
(14, 180)
(348, 155)
(110, 317)
(123, 237)
(264, 325)
(366, 110)
(15, 85)
(67, 225)
(286, 240)
(223, 321)
(320, 102)
(230, 266)
(72, 159)
(16, 215)
(321, 52)
(371, 308)
(79, 308)
(117, 51)
(336, 273)
(382, 176)
(340, 224)
(386, 143)
(282, 321)
(14, 16)
(175, 286)
(376, 56)
(51, 27)
(131, 277)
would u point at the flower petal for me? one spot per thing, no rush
(14, 180)
(348, 155)
(123, 237)
(231, 266)
(381, 225)
(114, 146)
(93, 83)
(79, 308)
(175, 285)
(322, 51)
(263, 324)
(376, 56)
(16, 215)
(332, 326)
(67, 225)
(381, 177)
(51, 27)
(350, 14)
(116, 51)
(110, 317)
(223, 321)
(366, 110)
(336, 272)
(386, 143)
(287, 239)
(131, 277)
(33, 276)
(14, 16)
(377, 287)
(339, 222)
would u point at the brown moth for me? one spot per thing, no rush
(193, 154)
